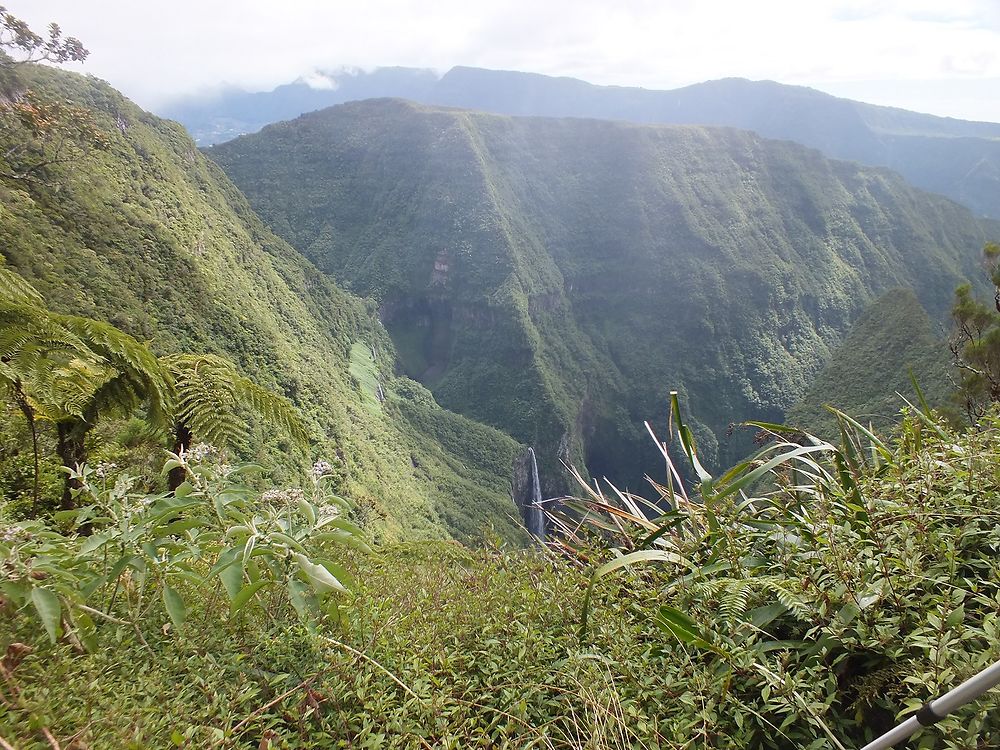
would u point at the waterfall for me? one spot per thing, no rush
(534, 516)
(526, 492)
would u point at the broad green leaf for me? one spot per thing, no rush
(340, 573)
(49, 610)
(287, 541)
(175, 606)
(848, 612)
(179, 527)
(301, 597)
(224, 560)
(683, 628)
(232, 578)
(253, 570)
(238, 531)
(169, 465)
(185, 489)
(764, 616)
(138, 564)
(306, 508)
(15, 591)
(245, 595)
(343, 525)
(343, 537)
(321, 579)
(68, 516)
(96, 541)
(956, 617)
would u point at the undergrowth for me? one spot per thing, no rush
(813, 606)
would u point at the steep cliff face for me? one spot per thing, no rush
(588, 267)
(140, 229)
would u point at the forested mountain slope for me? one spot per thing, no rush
(869, 373)
(956, 158)
(133, 225)
(556, 278)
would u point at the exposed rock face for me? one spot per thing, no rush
(527, 493)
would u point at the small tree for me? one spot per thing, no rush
(20, 44)
(975, 342)
(35, 133)
(47, 372)
(135, 381)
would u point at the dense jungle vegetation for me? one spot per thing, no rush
(555, 278)
(228, 521)
(859, 583)
(140, 230)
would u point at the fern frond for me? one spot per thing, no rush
(209, 393)
(792, 602)
(13, 288)
(141, 378)
(736, 600)
(46, 363)
(63, 389)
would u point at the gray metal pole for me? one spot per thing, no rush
(937, 709)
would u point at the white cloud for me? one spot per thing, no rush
(319, 80)
(153, 51)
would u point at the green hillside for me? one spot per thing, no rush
(136, 227)
(957, 158)
(893, 338)
(556, 278)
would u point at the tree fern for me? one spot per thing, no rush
(209, 392)
(72, 370)
(45, 369)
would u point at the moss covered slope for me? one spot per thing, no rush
(555, 278)
(869, 373)
(147, 233)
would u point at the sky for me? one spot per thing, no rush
(936, 56)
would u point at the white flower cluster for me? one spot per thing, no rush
(131, 505)
(321, 469)
(280, 497)
(104, 469)
(201, 452)
(13, 534)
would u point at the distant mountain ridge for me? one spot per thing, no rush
(956, 158)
